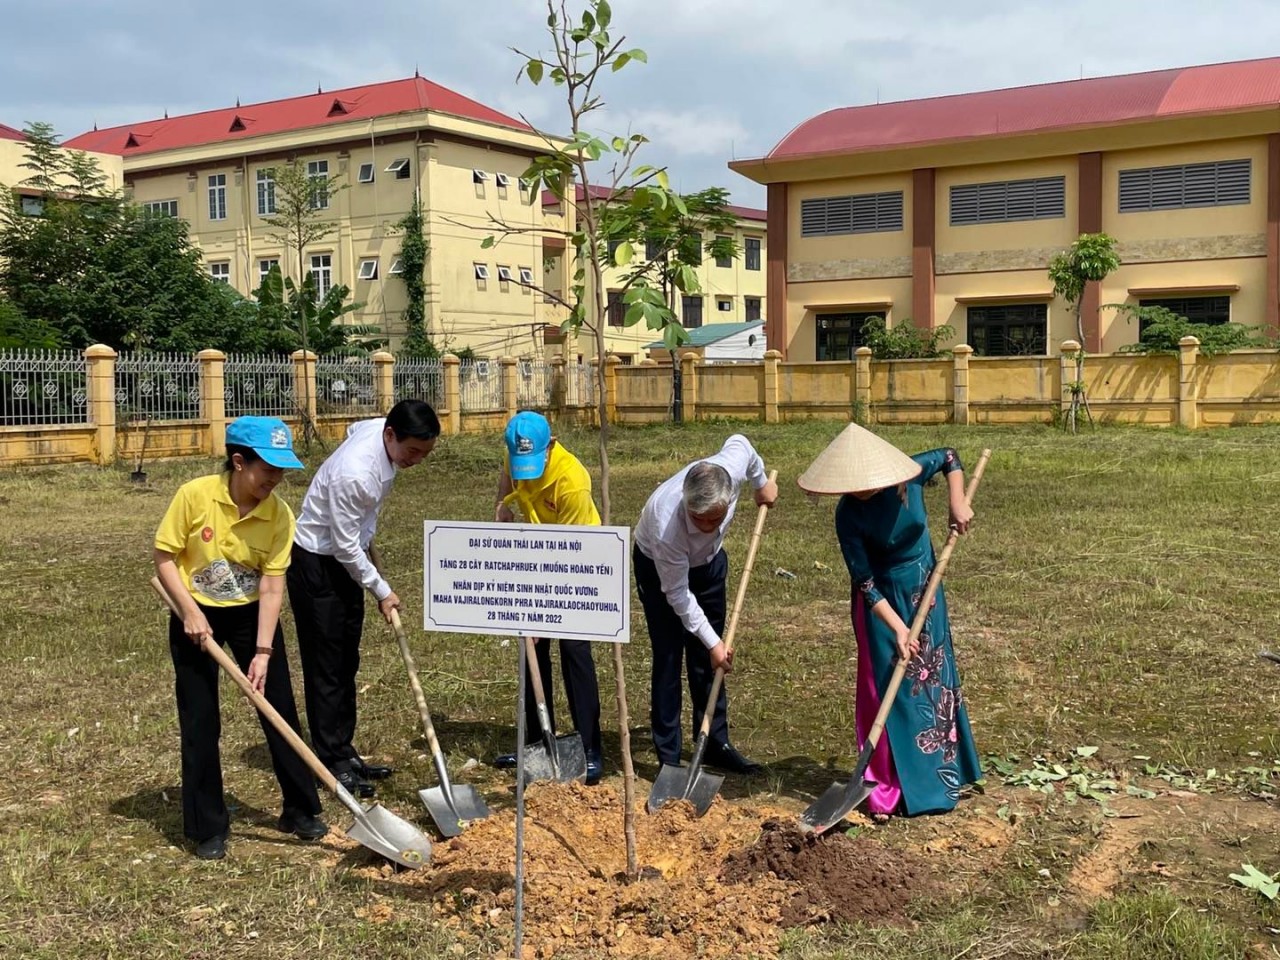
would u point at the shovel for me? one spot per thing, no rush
(376, 827)
(452, 808)
(556, 758)
(840, 799)
(692, 783)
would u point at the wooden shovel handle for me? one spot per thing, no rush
(730, 634)
(922, 611)
(531, 661)
(223, 660)
(418, 696)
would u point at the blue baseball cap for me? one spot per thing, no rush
(268, 437)
(528, 440)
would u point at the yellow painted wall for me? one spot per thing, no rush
(1021, 235)
(856, 246)
(13, 153)
(806, 300)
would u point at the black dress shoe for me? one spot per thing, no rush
(353, 783)
(304, 826)
(371, 771)
(595, 768)
(215, 848)
(725, 757)
(505, 761)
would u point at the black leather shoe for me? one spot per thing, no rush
(371, 771)
(215, 848)
(353, 783)
(725, 757)
(505, 761)
(595, 768)
(304, 826)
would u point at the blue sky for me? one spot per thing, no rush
(725, 78)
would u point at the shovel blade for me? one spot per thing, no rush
(467, 805)
(839, 800)
(673, 784)
(387, 835)
(569, 762)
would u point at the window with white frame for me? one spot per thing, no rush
(724, 304)
(266, 192)
(161, 208)
(526, 190)
(322, 273)
(218, 196)
(368, 269)
(400, 167)
(481, 271)
(220, 271)
(526, 276)
(32, 206)
(318, 171)
(504, 274)
(366, 173)
(479, 176)
(397, 267)
(264, 268)
(502, 180)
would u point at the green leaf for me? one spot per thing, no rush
(487, 242)
(1255, 879)
(603, 14)
(620, 61)
(623, 254)
(674, 335)
(1086, 751)
(619, 144)
(664, 181)
(639, 55)
(534, 70)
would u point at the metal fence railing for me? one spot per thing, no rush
(585, 376)
(157, 386)
(479, 386)
(259, 386)
(42, 387)
(535, 384)
(418, 380)
(345, 386)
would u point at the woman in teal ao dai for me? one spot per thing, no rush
(927, 752)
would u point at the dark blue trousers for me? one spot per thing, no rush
(675, 648)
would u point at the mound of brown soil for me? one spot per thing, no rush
(835, 877)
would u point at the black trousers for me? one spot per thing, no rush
(204, 812)
(328, 611)
(674, 647)
(581, 688)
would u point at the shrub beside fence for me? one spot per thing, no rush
(58, 407)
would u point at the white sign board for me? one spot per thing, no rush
(527, 579)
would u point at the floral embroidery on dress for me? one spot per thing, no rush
(925, 668)
(942, 735)
(868, 586)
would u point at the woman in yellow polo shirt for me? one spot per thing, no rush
(221, 553)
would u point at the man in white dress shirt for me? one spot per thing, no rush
(680, 569)
(331, 570)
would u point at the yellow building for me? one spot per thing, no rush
(947, 210)
(386, 142)
(731, 290)
(13, 152)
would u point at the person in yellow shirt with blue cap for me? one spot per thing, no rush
(550, 485)
(221, 552)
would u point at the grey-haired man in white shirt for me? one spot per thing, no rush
(680, 569)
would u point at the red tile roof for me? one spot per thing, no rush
(1215, 88)
(295, 113)
(549, 199)
(8, 133)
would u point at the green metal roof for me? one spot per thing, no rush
(711, 333)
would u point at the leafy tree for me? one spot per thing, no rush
(1161, 329)
(17, 331)
(1090, 258)
(413, 261)
(904, 340)
(303, 318)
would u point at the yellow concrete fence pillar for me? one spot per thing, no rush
(510, 388)
(611, 364)
(960, 354)
(557, 383)
(770, 393)
(213, 398)
(452, 420)
(100, 383)
(1188, 408)
(862, 385)
(384, 380)
(689, 387)
(1066, 374)
(304, 382)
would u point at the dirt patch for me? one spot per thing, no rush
(839, 877)
(578, 903)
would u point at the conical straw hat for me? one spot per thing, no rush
(857, 460)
